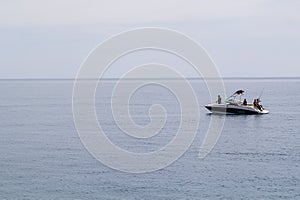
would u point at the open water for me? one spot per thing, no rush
(42, 157)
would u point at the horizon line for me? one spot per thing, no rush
(166, 78)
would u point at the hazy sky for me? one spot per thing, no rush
(50, 39)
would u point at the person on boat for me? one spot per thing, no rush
(256, 104)
(219, 99)
(260, 107)
(245, 102)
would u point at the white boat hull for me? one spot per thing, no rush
(234, 109)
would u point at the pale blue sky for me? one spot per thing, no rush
(50, 39)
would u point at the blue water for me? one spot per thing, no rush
(42, 157)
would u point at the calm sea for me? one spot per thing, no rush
(42, 157)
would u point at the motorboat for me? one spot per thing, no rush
(234, 105)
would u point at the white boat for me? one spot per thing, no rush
(232, 105)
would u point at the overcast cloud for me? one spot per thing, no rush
(50, 39)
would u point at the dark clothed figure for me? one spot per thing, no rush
(219, 99)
